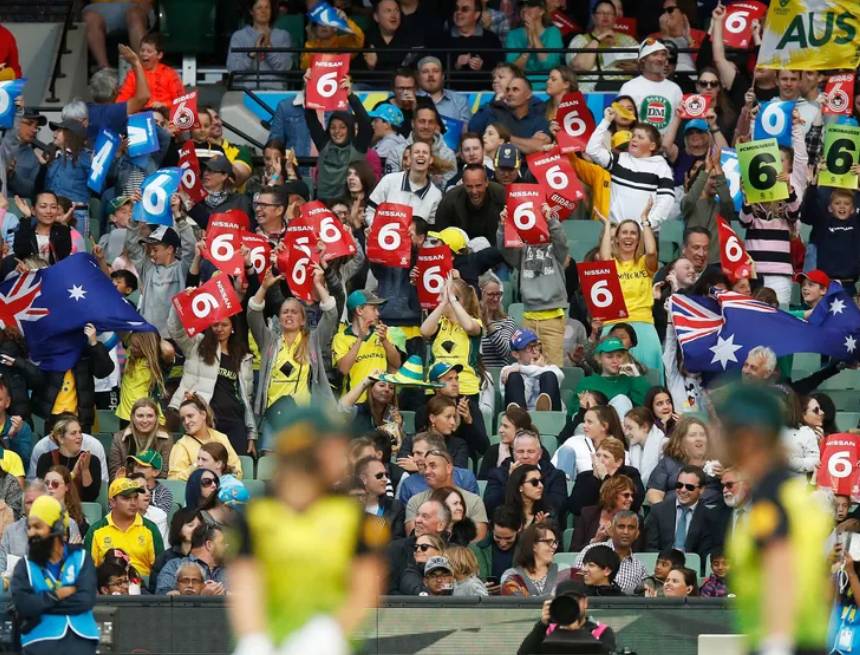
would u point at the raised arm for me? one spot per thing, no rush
(141, 90)
(725, 68)
(605, 251)
(596, 148)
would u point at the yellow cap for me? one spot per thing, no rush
(49, 510)
(623, 112)
(123, 485)
(620, 138)
(453, 237)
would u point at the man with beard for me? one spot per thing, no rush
(736, 496)
(54, 587)
(474, 205)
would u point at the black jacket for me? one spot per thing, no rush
(456, 210)
(22, 376)
(201, 211)
(554, 488)
(401, 556)
(660, 528)
(586, 489)
(26, 245)
(533, 643)
(394, 514)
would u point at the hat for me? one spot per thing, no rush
(48, 509)
(437, 563)
(574, 588)
(232, 492)
(817, 276)
(75, 127)
(649, 46)
(411, 374)
(609, 345)
(621, 138)
(297, 187)
(622, 111)
(359, 298)
(118, 202)
(164, 235)
(123, 487)
(441, 368)
(507, 156)
(219, 164)
(696, 124)
(30, 113)
(750, 406)
(150, 458)
(388, 113)
(453, 237)
(521, 339)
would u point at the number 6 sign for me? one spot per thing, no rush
(223, 247)
(838, 469)
(602, 290)
(323, 89)
(525, 220)
(336, 238)
(576, 122)
(389, 242)
(761, 163)
(207, 304)
(555, 174)
(433, 264)
(733, 256)
(737, 26)
(154, 205)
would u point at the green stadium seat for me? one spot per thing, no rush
(494, 438)
(107, 420)
(92, 512)
(804, 364)
(482, 487)
(549, 422)
(579, 249)
(38, 426)
(408, 422)
(247, 466)
(487, 415)
(256, 488)
(187, 27)
(515, 312)
(845, 379)
(565, 540)
(740, 229)
(103, 498)
(266, 466)
(586, 233)
(177, 488)
(671, 239)
(572, 377)
(847, 420)
(106, 440)
(550, 443)
(565, 560)
(174, 507)
(507, 293)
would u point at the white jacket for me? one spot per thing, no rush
(802, 446)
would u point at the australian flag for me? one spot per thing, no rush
(51, 306)
(715, 334)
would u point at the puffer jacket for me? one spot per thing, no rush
(201, 378)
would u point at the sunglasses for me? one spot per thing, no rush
(687, 486)
(816, 410)
(535, 482)
(423, 547)
(708, 84)
(208, 482)
(53, 484)
(669, 10)
(381, 475)
(729, 485)
(626, 494)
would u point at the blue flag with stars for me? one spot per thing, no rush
(51, 306)
(837, 310)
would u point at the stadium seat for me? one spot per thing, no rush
(494, 438)
(295, 25)
(671, 238)
(92, 512)
(482, 487)
(847, 420)
(106, 420)
(408, 422)
(266, 467)
(565, 540)
(247, 466)
(177, 488)
(549, 422)
(565, 560)
(845, 379)
(106, 440)
(803, 364)
(845, 401)
(572, 377)
(515, 312)
(174, 507)
(256, 488)
(550, 443)
(796, 300)
(582, 233)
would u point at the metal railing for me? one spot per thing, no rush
(62, 50)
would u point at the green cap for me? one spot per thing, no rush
(148, 458)
(750, 406)
(360, 298)
(610, 345)
(118, 202)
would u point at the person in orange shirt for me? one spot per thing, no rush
(164, 83)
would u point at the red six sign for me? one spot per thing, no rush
(602, 290)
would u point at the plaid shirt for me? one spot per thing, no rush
(814, 144)
(500, 24)
(714, 587)
(631, 573)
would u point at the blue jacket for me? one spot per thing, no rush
(69, 179)
(289, 127)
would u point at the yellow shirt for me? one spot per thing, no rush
(67, 399)
(544, 314)
(297, 382)
(370, 357)
(598, 180)
(453, 345)
(636, 281)
(136, 381)
(141, 541)
(12, 464)
(183, 455)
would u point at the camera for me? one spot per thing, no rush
(564, 610)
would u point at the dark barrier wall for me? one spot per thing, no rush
(452, 626)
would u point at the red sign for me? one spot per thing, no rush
(336, 238)
(224, 246)
(840, 94)
(602, 290)
(183, 112)
(296, 259)
(737, 23)
(207, 304)
(434, 263)
(695, 105)
(838, 469)
(626, 26)
(525, 215)
(564, 24)
(734, 259)
(389, 242)
(576, 122)
(260, 252)
(235, 217)
(324, 90)
(554, 173)
(190, 180)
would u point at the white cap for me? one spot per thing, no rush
(649, 46)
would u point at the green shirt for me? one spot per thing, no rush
(634, 388)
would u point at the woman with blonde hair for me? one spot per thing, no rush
(142, 433)
(464, 566)
(689, 444)
(85, 467)
(143, 377)
(198, 421)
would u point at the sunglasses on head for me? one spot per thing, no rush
(687, 486)
(535, 482)
(422, 547)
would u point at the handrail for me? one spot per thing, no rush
(61, 50)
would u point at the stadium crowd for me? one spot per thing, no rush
(513, 443)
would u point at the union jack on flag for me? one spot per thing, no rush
(735, 300)
(17, 305)
(692, 320)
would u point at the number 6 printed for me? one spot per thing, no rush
(203, 305)
(601, 296)
(433, 280)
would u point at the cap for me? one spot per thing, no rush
(649, 46)
(621, 138)
(388, 113)
(609, 345)
(521, 339)
(232, 492)
(297, 187)
(750, 406)
(359, 298)
(75, 127)
(164, 235)
(219, 164)
(816, 275)
(297, 428)
(507, 156)
(118, 202)
(696, 124)
(575, 588)
(453, 237)
(411, 374)
(123, 487)
(31, 114)
(437, 563)
(150, 458)
(441, 368)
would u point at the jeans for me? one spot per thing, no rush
(515, 390)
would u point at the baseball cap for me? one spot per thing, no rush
(649, 46)
(574, 588)
(621, 138)
(164, 235)
(123, 487)
(609, 345)
(441, 368)
(696, 124)
(521, 339)
(453, 237)
(360, 297)
(118, 202)
(75, 127)
(750, 406)
(30, 113)
(816, 275)
(388, 113)
(507, 156)
(437, 563)
(219, 164)
(150, 458)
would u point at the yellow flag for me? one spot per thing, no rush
(811, 35)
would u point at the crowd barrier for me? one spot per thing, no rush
(432, 626)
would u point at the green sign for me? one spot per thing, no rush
(760, 163)
(841, 152)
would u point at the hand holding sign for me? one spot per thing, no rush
(695, 105)
(325, 83)
(183, 112)
(223, 247)
(338, 241)
(841, 154)
(576, 122)
(561, 186)
(388, 242)
(296, 259)
(738, 21)
(9, 92)
(259, 253)
(602, 290)
(207, 304)
(142, 138)
(190, 166)
(107, 144)
(433, 265)
(761, 164)
(774, 120)
(525, 215)
(839, 93)
(155, 193)
(735, 261)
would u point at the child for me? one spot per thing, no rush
(835, 237)
(715, 584)
(124, 281)
(464, 566)
(164, 84)
(666, 560)
(149, 463)
(638, 175)
(324, 36)
(600, 565)
(386, 119)
(531, 382)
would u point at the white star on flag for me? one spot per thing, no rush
(77, 292)
(837, 306)
(724, 351)
(850, 343)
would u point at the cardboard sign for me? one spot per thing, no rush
(207, 304)
(628, 26)
(840, 95)
(732, 170)
(324, 90)
(774, 121)
(335, 236)
(260, 252)
(155, 192)
(737, 23)
(695, 105)
(760, 163)
(183, 112)
(9, 92)
(388, 242)
(561, 186)
(142, 137)
(190, 182)
(576, 121)
(296, 259)
(107, 144)
(525, 216)
(838, 469)
(841, 152)
(564, 24)
(602, 290)
(434, 263)
(733, 255)
(235, 217)
(224, 246)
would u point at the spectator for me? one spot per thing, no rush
(438, 577)
(675, 29)
(203, 491)
(655, 96)
(464, 567)
(715, 585)
(423, 443)
(60, 485)
(667, 559)
(521, 113)
(124, 528)
(427, 126)
(608, 462)
(681, 583)
(324, 36)
(494, 137)
(559, 82)
(498, 326)
(594, 524)
(471, 152)
(162, 81)
(814, 415)
(261, 34)
(511, 421)
(392, 46)
(107, 18)
(147, 510)
(574, 455)
(623, 391)
(679, 522)
(707, 197)
(431, 79)
(13, 542)
(85, 467)
(190, 580)
(537, 32)
(403, 96)
(495, 554)
(379, 409)
(531, 382)
(207, 551)
(602, 36)
(525, 493)
(696, 246)
(270, 212)
(646, 440)
(467, 32)
(426, 546)
(432, 518)
(182, 525)
(15, 433)
(600, 566)
(411, 187)
(220, 181)
(18, 149)
(197, 420)
(151, 464)
(210, 142)
(67, 174)
(104, 112)
(507, 164)
(689, 445)
(534, 573)
(474, 205)
(214, 457)
(374, 477)
(462, 530)
(424, 22)
(47, 443)
(835, 231)
(387, 120)
(799, 440)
